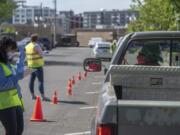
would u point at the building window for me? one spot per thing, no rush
(16, 20)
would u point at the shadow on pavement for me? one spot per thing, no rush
(56, 55)
(50, 121)
(46, 99)
(73, 102)
(63, 63)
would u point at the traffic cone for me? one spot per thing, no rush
(37, 113)
(73, 80)
(54, 98)
(79, 76)
(69, 87)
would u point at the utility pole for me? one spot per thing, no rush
(55, 20)
(41, 6)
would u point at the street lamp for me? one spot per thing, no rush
(55, 18)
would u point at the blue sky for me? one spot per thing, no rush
(84, 5)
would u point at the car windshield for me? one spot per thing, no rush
(103, 46)
(153, 53)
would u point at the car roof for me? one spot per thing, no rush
(155, 34)
(103, 42)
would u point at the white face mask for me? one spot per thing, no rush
(10, 55)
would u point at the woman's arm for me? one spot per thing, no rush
(20, 64)
(7, 83)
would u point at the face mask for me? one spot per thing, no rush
(10, 55)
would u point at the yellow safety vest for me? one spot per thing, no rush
(34, 60)
(113, 47)
(9, 98)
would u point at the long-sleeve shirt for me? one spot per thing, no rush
(7, 83)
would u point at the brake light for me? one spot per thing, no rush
(104, 130)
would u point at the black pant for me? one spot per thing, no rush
(12, 120)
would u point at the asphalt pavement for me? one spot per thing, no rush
(73, 114)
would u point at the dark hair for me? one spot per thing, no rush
(34, 37)
(5, 43)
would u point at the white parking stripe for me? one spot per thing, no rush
(96, 83)
(90, 107)
(98, 76)
(79, 133)
(90, 93)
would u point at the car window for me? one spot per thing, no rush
(176, 53)
(103, 46)
(148, 52)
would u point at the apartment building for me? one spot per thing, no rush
(108, 19)
(70, 20)
(31, 14)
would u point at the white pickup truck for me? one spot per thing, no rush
(141, 90)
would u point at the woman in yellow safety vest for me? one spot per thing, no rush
(113, 47)
(35, 61)
(11, 105)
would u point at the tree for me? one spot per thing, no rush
(176, 5)
(153, 15)
(6, 9)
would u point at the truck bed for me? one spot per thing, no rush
(148, 118)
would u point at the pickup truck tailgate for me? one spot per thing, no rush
(148, 117)
(150, 101)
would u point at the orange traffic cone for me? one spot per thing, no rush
(54, 98)
(37, 113)
(69, 87)
(79, 76)
(73, 80)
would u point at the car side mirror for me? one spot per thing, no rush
(92, 65)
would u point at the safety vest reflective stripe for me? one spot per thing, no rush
(34, 60)
(31, 53)
(9, 98)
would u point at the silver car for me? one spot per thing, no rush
(102, 50)
(94, 40)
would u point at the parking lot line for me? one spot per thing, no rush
(79, 133)
(96, 83)
(90, 107)
(91, 93)
(102, 76)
